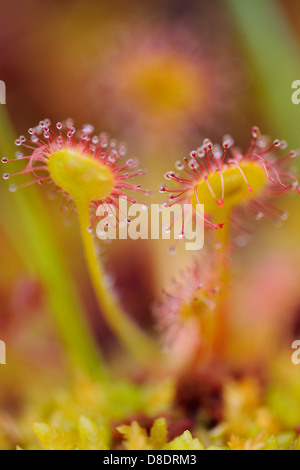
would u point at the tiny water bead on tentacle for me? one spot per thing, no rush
(86, 168)
(224, 178)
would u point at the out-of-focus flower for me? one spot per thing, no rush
(164, 77)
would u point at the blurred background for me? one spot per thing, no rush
(161, 76)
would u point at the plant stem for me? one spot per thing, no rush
(63, 301)
(223, 268)
(135, 341)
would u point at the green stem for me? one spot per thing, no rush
(134, 340)
(63, 300)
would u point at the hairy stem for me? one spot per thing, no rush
(134, 340)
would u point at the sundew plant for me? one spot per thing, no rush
(125, 344)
